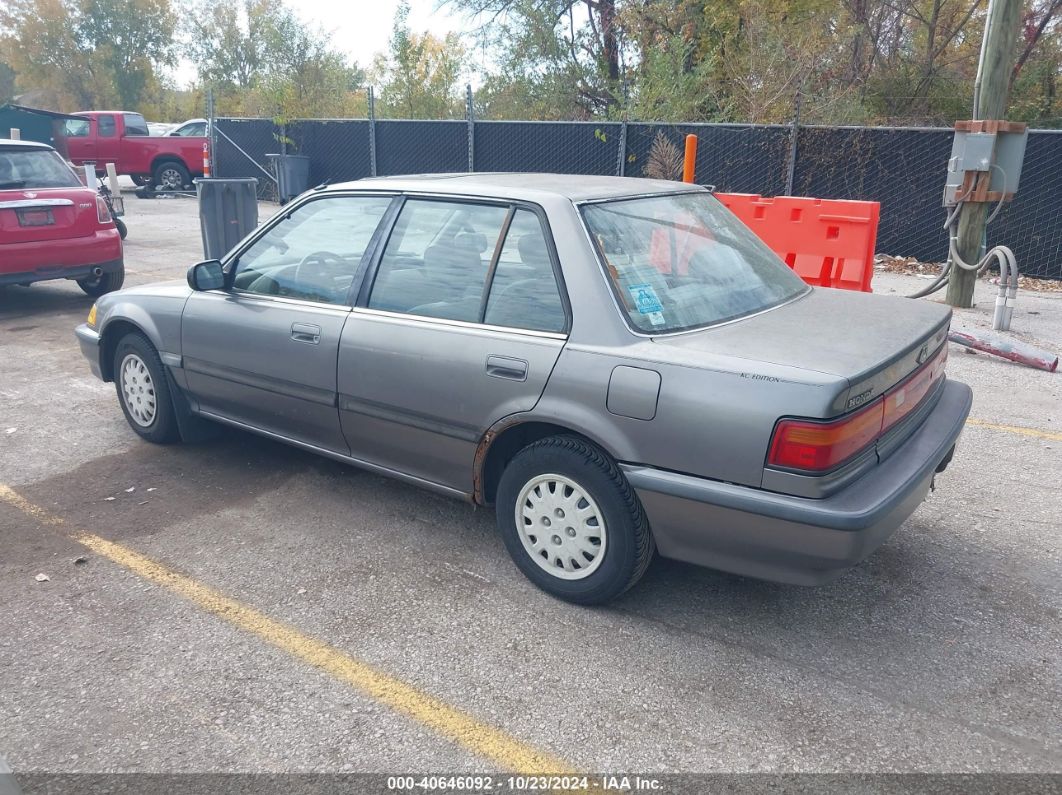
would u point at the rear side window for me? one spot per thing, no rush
(105, 125)
(436, 260)
(35, 168)
(524, 292)
(135, 124)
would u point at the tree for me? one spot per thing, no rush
(7, 82)
(234, 43)
(130, 39)
(419, 77)
(262, 60)
(87, 53)
(38, 39)
(573, 47)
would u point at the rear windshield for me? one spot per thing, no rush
(35, 168)
(682, 261)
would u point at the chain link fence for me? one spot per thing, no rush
(902, 168)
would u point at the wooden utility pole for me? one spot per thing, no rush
(998, 48)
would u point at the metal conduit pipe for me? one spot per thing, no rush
(1008, 264)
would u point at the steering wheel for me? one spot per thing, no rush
(315, 273)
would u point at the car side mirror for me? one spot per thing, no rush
(206, 275)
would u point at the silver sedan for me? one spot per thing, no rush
(618, 365)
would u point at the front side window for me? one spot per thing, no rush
(436, 260)
(76, 128)
(312, 254)
(135, 124)
(106, 126)
(682, 261)
(35, 168)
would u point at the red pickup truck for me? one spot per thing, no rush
(114, 136)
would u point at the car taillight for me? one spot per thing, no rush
(816, 446)
(820, 446)
(103, 212)
(906, 396)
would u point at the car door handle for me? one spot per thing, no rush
(505, 367)
(306, 332)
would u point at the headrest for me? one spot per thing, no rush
(532, 249)
(475, 241)
(442, 255)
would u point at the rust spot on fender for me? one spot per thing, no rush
(478, 495)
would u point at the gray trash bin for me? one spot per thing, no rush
(228, 212)
(293, 175)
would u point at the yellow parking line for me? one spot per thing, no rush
(478, 737)
(1018, 429)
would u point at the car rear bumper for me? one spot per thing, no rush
(74, 258)
(796, 539)
(89, 340)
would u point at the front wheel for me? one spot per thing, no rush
(140, 180)
(104, 283)
(571, 522)
(143, 392)
(119, 224)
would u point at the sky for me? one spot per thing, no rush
(361, 28)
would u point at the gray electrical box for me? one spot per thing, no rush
(979, 152)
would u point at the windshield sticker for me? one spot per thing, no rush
(647, 303)
(645, 299)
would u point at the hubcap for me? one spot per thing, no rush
(561, 527)
(170, 179)
(138, 390)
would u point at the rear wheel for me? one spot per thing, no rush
(141, 179)
(571, 522)
(121, 227)
(171, 175)
(143, 391)
(104, 283)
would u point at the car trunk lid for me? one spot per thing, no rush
(28, 216)
(872, 342)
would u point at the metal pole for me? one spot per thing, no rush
(470, 116)
(211, 135)
(621, 153)
(1000, 39)
(372, 131)
(794, 131)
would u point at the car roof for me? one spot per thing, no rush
(518, 186)
(11, 142)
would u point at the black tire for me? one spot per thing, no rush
(627, 541)
(122, 229)
(162, 425)
(170, 175)
(141, 179)
(105, 283)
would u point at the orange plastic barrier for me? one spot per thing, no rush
(828, 242)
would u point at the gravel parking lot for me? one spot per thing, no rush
(304, 616)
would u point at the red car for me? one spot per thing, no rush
(52, 226)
